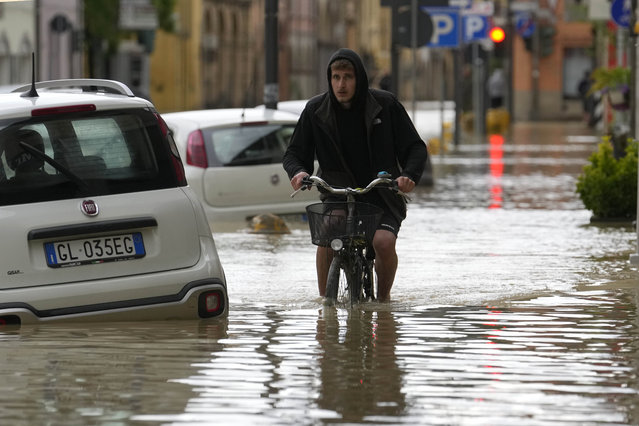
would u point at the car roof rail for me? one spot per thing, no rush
(86, 84)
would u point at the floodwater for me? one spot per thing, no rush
(509, 307)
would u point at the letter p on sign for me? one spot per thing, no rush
(442, 25)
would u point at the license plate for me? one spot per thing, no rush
(94, 250)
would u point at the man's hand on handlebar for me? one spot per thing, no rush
(405, 184)
(297, 181)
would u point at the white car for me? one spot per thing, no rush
(98, 222)
(233, 161)
(293, 106)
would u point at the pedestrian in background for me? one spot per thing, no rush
(586, 98)
(496, 88)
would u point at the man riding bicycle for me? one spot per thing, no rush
(355, 132)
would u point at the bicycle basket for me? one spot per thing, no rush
(327, 221)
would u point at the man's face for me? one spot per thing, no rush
(343, 83)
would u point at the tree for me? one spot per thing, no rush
(102, 37)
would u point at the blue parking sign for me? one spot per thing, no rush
(475, 27)
(446, 26)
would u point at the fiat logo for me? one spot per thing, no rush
(89, 208)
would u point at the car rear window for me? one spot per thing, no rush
(248, 144)
(82, 154)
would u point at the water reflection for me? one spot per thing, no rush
(561, 359)
(556, 365)
(533, 167)
(102, 373)
(496, 155)
(360, 377)
(523, 314)
(558, 360)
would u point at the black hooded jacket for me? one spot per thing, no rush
(393, 143)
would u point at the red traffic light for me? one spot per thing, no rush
(497, 34)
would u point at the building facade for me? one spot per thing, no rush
(216, 56)
(545, 82)
(223, 42)
(17, 41)
(49, 28)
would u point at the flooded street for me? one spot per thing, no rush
(509, 307)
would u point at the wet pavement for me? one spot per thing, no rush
(509, 307)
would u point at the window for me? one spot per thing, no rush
(249, 145)
(84, 154)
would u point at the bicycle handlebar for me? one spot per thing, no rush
(317, 181)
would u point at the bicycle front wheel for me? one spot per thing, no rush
(361, 283)
(368, 279)
(336, 281)
(346, 277)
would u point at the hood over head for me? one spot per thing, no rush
(360, 75)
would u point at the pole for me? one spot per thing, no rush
(413, 43)
(271, 86)
(394, 87)
(478, 93)
(633, 69)
(508, 61)
(534, 113)
(442, 100)
(634, 258)
(458, 64)
(620, 45)
(38, 35)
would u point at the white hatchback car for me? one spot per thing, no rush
(233, 161)
(98, 222)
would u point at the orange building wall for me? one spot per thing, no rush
(550, 90)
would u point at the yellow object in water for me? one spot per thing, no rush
(497, 120)
(269, 223)
(435, 144)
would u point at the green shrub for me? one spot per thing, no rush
(608, 186)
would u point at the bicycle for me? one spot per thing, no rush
(348, 228)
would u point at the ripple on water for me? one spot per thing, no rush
(552, 362)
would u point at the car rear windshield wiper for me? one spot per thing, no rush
(56, 165)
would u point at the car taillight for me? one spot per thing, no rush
(210, 304)
(62, 110)
(196, 151)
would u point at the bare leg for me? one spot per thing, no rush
(323, 260)
(385, 262)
